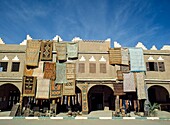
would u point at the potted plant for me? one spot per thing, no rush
(153, 109)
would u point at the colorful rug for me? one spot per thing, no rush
(61, 49)
(55, 90)
(46, 50)
(72, 50)
(141, 93)
(69, 87)
(129, 82)
(29, 84)
(60, 73)
(32, 52)
(50, 70)
(137, 63)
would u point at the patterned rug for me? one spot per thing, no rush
(69, 87)
(29, 85)
(72, 50)
(61, 49)
(43, 88)
(115, 56)
(32, 52)
(129, 82)
(141, 93)
(60, 73)
(125, 56)
(50, 70)
(137, 63)
(118, 89)
(46, 50)
(55, 90)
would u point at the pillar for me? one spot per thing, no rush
(20, 102)
(85, 109)
(117, 107)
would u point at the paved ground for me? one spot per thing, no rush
(82, 122)
(162, 114)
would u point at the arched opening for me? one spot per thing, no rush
(159, 94)
(100, 97)
(9, 95)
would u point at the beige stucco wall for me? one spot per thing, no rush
(12, 51)
(156, 54)
(97, 50)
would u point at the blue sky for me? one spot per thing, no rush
(125, 21)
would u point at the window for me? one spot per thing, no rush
(102, 68)
(15, 66)
(151, 66)
(161, 66)
(3, 66)
(92, 68)
(81, 68)
(154, 66)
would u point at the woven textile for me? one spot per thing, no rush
(61, 49)
(28, 72)
(125, 69)
(129, 82)
(43, 86)
(32, 52)
(72, 50)
(46, 50)
(115, 56)
(55, 90)
(84, 98)
(69, 87)
(119, 75)
(136, 60)
(50, 70)
(125, 56)
(29, 84)
(38, 72)
(70, 70)
(118, 89)
(61, 73)
(141, 93)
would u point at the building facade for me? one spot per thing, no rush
(82, 75)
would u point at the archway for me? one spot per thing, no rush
(159, 94)
(9, 95)
(100, 97)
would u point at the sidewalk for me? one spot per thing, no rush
(163, 115)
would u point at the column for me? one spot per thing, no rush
(84, 89)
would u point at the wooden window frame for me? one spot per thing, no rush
(161, 66)
(92, 67)
(14, 68)
(103, 68)
(6, 66)
(81, 68)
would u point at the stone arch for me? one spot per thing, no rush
(159, 94)
(100, 97)
(9, 95)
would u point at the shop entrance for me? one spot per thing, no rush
(160, 95)
(9, 95)
(97, 101)
(100, 97)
